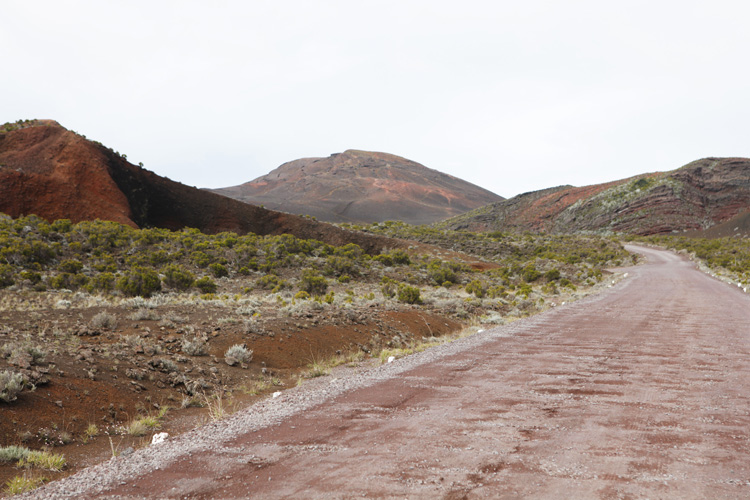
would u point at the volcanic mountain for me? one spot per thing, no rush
(361, 186)
(54, 173)
(702, 194)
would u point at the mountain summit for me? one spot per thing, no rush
(362, 186)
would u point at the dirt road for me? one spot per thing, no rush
(640, 392)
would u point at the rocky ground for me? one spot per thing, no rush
(100, 364)
(633, 393)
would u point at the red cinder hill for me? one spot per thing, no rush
(55, 173)
(362, 187)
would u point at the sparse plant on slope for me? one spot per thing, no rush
(11, 384)
(104, 321)
(13, 453)
(43, 460)
(194, 347)
(238, 354)
(22, 484)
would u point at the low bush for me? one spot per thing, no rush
(104, 321)
(6, 276)
(552, 275)
(70, 266)
(140, 281)
(206, 285)
(312, 283)
(409, 294)
(238, 354)
(477, 288)
(11, 385)
(194, 347)
(218, 270)
(103, 282)
(68, 281)
(13, 453)
(388, 287)
(178, 278)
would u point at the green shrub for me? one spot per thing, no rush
(409, 294)
(350, 250)
(268, 281)
(384, 259)
(206, 285)
(104, 282)
(139, 281)
(6, 276)
(218, 270)
(530, 274)
(70, 266)
(68, 281)
(62, 225)
(400, 257)
(477, 288)
(338, 266)
(312, 283)
(552, 275)
(33, 277)
(201, 259)
(178, 278)
(302, 295)
(388, 287)
(441, 272)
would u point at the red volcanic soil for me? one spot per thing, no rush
(362, 186)
(54, 173)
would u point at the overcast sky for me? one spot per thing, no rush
(511, 95)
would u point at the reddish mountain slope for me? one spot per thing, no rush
(56, 174)
(361, 186)
(695, 197)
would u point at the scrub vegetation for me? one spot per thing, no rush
(114, 324)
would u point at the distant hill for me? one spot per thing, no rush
(54, 173)
(361, 186)
(694, 198)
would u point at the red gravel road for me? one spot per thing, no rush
(639, 392)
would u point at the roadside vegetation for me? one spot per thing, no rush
(137, 321)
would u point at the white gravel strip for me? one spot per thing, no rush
(271, 411)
